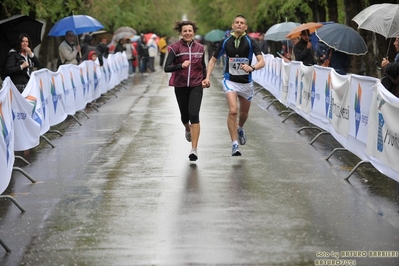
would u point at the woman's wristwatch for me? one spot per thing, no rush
(253, 67)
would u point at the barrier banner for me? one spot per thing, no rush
(305, 79)
(26, 120)
(6, 134)
(320, 97)
(339, 106)
(285, 76)
(37, 90)
(293, 85)
(361, 94)
(383, 132)
(47, 100)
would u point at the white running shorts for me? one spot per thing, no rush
(245, 90)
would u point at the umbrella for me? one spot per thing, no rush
(135, 38)
(380, 18)
(122, 35)
(342, 38)
(278, 32)
(296, 32)
(215, 35)
(12, 27)
(77, 23)
(254, 35)
(125, 29)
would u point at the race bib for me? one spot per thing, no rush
(235, 65)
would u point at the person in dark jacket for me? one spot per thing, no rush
(144, 55)
(303, 50)
(186, 61)
(20, 62)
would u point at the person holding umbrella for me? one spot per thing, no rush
(303, 50)
(385, 60)
(19, 62)
(67, 51)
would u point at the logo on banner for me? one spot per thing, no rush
(88, 79)
(313, 92)
(73, 85)
(43, 100)
(66, 91)
(357, 104)
(327, 93)
(380, 140)
(95, 78)
(4, 131)
(33, 101)
(82, 80)
(54, 95)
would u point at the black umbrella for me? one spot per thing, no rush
(12, 27)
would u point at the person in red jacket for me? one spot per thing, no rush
(186, 62)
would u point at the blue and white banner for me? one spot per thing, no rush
(47, 100)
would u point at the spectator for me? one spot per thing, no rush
(163, 47)
(92, 56)
(338, 60)
(19, 62)
(385, 61)
(67, 51)
(143, 54)
(120, 46)
(263, 44)
(152, 52)
(321, 51)
(102, 47)
(391, 78)
(129, 54)
(303, 50)
(87, 48)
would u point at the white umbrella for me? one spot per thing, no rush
(278, 32)
(380, 18)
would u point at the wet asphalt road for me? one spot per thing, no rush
(120, 190)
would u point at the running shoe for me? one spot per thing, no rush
(193, 155)
(242, 139)
(188, 136)
(235, 151)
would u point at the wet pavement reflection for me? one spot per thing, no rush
(120, 190)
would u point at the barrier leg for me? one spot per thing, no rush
(308, 127)
(6, 248)
(355, 168)
(24, 173)
(55, 131)
(333, 151)
(47, 140)
(275, 100)
(284, 111)
(93, 106)
(83, 112)
(77, 121)
(110, 91)
(13, 200)
(291, 113)
(22, 159)
(317, 136)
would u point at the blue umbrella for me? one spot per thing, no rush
(342, 38)
(77, 23)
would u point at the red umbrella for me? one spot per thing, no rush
(254, 35)
(149, 35)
